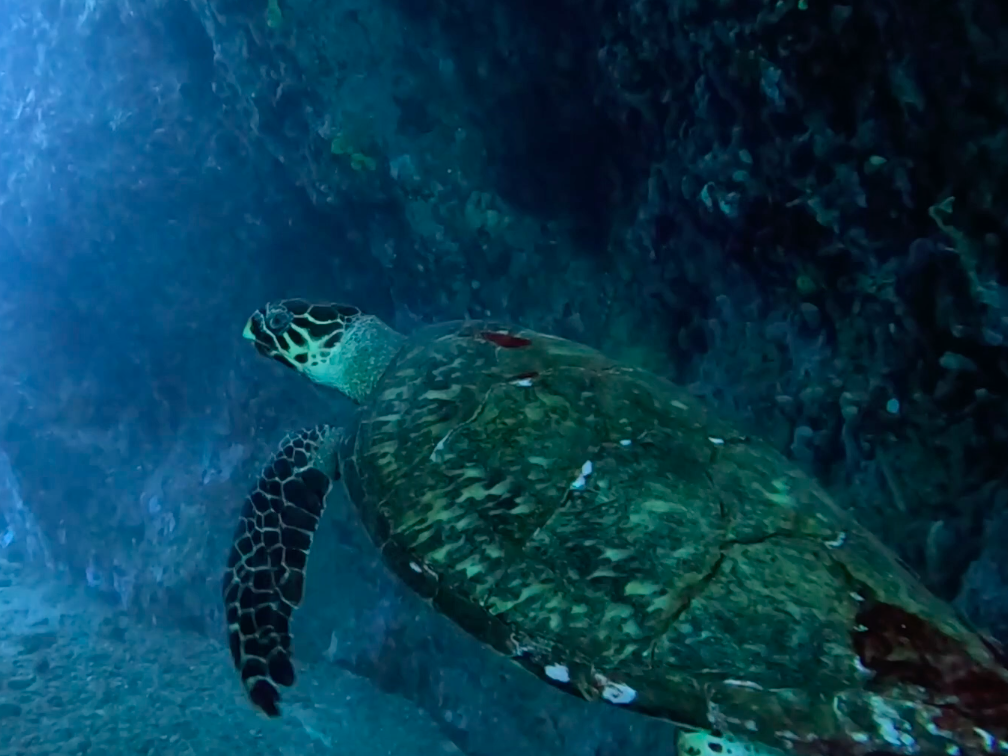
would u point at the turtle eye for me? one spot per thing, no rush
(278, 321)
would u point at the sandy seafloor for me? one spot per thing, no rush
(75, 678)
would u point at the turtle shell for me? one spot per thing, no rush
(602, 527)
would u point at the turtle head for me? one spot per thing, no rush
(333, 345)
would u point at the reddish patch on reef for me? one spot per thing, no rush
(900, 647)
(505, 340)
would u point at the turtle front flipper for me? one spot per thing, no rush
(264, 580)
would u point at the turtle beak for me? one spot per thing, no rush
(248, 333)
(253, 326)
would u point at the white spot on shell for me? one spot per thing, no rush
(625, 442)
(415, 567)
(856, 596)
(619, 694)
(579, 483)
(557, 672)
(587, 468)
(837, 542)
(716, 441)
(523, 382)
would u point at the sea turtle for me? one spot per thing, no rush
(603, 528)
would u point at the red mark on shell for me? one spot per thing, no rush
(900, 647)
(505, 340)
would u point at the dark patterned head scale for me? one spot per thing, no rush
(296, 333)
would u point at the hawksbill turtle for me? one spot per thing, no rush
(604, 529)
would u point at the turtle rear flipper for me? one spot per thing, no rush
(264, 580)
